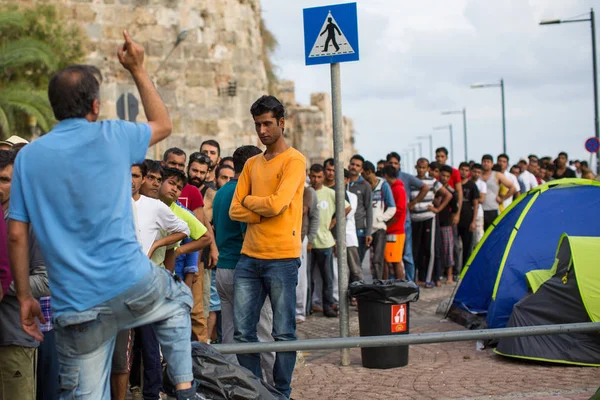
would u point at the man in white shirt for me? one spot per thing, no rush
(476, 170)
(527, 177)
(502, 160)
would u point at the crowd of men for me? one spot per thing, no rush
(114, 264)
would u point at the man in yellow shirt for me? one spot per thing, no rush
(268, 197)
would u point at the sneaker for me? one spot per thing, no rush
(330, 313)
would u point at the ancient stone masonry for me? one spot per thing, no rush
(204, 57)
(310, 128)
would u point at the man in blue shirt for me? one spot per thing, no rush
(411, 183)
(79, 206)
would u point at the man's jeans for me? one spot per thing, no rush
(85, 340)
(254, 280)
(146, 350)
(407, 258)
(361, 234)
(322, 263)
(265, 324)
(377, 254)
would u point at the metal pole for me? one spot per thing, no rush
(465, 133)
(430, 148)
(503, 118)
(420, 150)
(595, 68)
(402, 340)
(340, 207)
(451, 145)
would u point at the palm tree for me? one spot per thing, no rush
(21, 101)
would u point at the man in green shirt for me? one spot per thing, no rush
(322, 251)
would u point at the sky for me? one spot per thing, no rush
(419, 58)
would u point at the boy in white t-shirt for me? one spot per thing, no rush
(476, 170)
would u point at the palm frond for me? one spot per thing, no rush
(25, 51)
(29, 102)
(12, 18)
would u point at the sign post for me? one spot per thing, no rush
(331, 37)
(592, 145)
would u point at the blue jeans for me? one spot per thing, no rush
(407, 257)
(85, 340)
(362, 243)
(146, 350)
(254, 280)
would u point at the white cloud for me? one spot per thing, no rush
(419, 58)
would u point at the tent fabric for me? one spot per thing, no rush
(585, 256)
(558, 301)
(522, 239)
(537, 277)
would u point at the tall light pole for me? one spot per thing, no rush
(501, 86)
(420, 148)
(449, 128)
(591, 20)
(430, 137)
(464, 114)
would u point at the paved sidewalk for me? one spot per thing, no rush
(435, 371)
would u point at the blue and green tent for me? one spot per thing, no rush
(522, 239)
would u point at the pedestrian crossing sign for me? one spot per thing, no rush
(331, 34)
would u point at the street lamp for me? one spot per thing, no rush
(464, 114)
(501, 86)
(591, 20)
(430, 137)
(449, 127)
(420, 148)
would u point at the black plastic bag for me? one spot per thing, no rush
(218, 379)
(387, 292)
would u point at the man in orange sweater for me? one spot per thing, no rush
(268, 197)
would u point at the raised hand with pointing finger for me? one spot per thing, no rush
(131, 54)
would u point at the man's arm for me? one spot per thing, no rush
(446, 197)
(166, 241)
(368, 204)
(18, 253)
(38, 278)
(131, 56)
(169, 261)
(509, 185)
(388, 199)
(237, 211)
(313, 220)
(423, 189)
(474, 222)
(273, 205)
(208, 201)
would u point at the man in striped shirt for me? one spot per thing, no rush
(423, 223)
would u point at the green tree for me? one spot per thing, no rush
(34, 43)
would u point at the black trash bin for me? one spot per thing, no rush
(383, 309)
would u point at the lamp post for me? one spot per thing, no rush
(591, 20)
(430, 137)
(449, 127)
(464, 114)
(501, 86)
(420, 149)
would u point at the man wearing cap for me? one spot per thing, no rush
(11, 141)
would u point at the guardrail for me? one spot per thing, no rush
(399, 340)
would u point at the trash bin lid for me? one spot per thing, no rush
(389, 291)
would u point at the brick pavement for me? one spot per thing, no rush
(435, 371)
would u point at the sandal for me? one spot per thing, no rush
(429, 285)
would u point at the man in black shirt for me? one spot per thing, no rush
(562, 167)
(446, 218)
(468, 212)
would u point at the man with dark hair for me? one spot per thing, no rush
(447, 216)
(562, 167)
(152, 180)
(227, 161)
(493, 198)
(17, 348)
(156, 226)
(384, 208)
(329, 170)
(424, 225)
(268, 197)
(192, 199)
(394, 246)
(212, 149)
(468, 212)
(322, 251)
(380, 165)
(502, 161)
(364, 209)
(112, 274)
(230, 237)
(224, 174)
(411, 183)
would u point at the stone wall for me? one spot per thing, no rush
(310, 127)
(208, 81)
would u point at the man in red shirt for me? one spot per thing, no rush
(394, 246)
